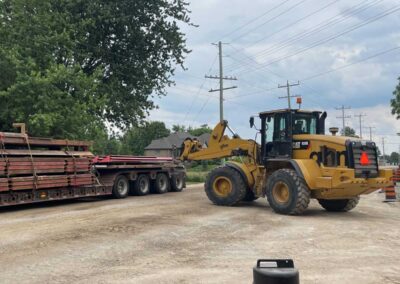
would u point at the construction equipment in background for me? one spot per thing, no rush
(43, 169)
(295, 162)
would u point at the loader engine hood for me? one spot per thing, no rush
(334, 151)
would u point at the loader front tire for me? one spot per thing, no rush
(287, 193)
(339, 205)
(225, 186)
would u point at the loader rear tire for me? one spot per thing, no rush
(225, 186)
(339, 205)
(287, 193)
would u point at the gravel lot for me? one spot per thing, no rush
(183, 238)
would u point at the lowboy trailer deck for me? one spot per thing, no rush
(43, 169)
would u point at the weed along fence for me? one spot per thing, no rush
(43, 169)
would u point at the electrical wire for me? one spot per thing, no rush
(334, 20)
(254, 19)
(270, 20)
(200, 88)
(350, 64)
(320, 42)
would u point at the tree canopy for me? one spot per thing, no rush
(395, 102)
(195, 131)
(70, 67)
(348, 131)
(136, 139)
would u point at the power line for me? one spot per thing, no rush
(315, 44)
(200, 88)
(270, 20)
(352, 11)
(370, 131)
(343, 117)
(350, 64)
(221, 79)
(288, 96)
(293, 23)
(360, 116)
(255, 19)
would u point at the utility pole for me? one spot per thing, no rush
(288, 96)
(383, 151)
(343, 117)
(360, 116)
(370, 131)
(221, 79)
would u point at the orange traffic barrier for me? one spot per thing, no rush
(390, 194)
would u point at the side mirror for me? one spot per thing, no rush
(251, 121)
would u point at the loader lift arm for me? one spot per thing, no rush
(219, 146)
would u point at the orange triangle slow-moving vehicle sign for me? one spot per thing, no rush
(364, 160)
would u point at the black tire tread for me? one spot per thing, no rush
(339, 205)
(303, 194)
(174, 186)
(136, 186)
(237, 181)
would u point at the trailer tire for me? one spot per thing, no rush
(287, 193)
(162, 184)
(141, 186)
(339, 205)
(225, 186)
(120, 187)
(177, 182)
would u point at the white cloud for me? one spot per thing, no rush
(366, 87)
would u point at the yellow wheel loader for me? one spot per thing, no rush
(295, 162)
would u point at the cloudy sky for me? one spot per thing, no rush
(342, 52)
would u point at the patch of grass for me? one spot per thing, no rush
(196, 176)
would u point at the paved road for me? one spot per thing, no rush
(182, 238)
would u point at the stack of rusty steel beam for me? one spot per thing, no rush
(28, 163)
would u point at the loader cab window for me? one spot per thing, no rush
(304, 124)
(269, 132)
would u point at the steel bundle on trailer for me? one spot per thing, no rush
(38, 169)
(42, 169)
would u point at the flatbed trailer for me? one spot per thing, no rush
(43, 169)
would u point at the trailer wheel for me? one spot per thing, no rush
(141, 186)
(177, 182)
(225, 186)
(287, 193)
(339, 205)
(121, 187)
(162, 184)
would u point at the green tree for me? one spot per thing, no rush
(136, 139)
(394, 158)
(69, 67)
(178, 128)
(348, 131)
(395, 102)
(200, 130)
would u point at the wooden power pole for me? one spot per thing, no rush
(221, 79)
(288, 96)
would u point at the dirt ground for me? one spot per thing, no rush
(183, 238)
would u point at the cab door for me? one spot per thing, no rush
(278, 135)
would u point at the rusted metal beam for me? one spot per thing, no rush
(10, 138)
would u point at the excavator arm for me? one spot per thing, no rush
(219, 146)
